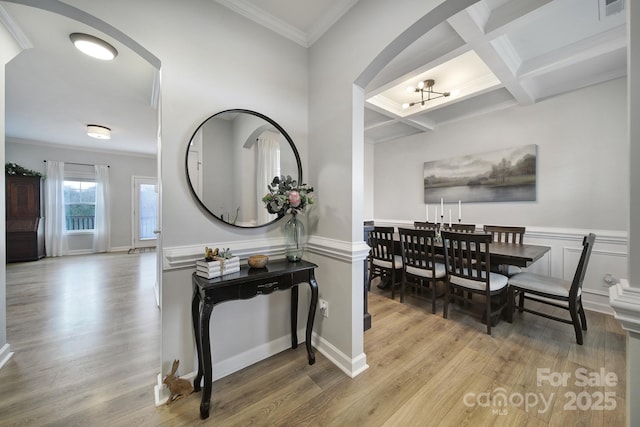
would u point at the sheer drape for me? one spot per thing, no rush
(102, 225)
(268, 167)
(55, 234)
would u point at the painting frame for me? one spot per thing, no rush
(505, 175)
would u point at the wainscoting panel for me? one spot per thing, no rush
(607, 265)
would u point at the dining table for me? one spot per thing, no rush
(501, 253)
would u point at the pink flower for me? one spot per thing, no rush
(294, 199)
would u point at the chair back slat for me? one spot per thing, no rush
(425, 225)
(578, 278)
(461, 228)
(506, 234)
(467, 255)
(381, 243)
(418, 248)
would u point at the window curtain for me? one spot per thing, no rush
(55, 233)
(102, 224)
(268, 167)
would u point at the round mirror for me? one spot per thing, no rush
(232, 158)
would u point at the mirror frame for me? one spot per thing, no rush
(263, 117)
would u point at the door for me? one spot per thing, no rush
(145, 211)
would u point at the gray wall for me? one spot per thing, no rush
(122, 167)
(580, 144)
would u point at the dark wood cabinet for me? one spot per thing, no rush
(25, 224)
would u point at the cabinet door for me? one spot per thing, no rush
(23, 197)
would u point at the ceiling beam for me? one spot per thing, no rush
(495, 56)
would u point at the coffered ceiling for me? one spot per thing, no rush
(497, 54)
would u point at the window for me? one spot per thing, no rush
(80, 204)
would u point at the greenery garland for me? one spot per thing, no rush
(16, 169)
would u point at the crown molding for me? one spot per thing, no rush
(259, 16)
(277, 25)
(15, 30)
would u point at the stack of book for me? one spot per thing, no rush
(217, 267)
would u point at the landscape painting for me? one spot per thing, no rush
(507, 175)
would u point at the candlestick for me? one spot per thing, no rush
(459, 210)
(441, 206)
(427, 208)
(449, 217)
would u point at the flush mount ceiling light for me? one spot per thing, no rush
(99, 132)
(425, 88)
(93, 46)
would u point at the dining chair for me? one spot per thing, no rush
(462, 228)
(384, 263)
(467, 263)
(506, 234)
(425, 225)
(420, 269)
(554, 291)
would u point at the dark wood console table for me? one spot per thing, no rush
(245, 284)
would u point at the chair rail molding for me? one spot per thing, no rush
(625, 301)
(185, 256)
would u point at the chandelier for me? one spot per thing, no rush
(426, 93)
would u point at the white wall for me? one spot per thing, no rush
(582, 177)
(31, 155)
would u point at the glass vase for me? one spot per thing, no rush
(294, 239)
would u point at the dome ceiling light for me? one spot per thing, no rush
(93, 46)
(99, 132)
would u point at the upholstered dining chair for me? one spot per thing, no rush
(467, 264)
(506, 234)
(384, 263)
(555, 292)
(420, 269)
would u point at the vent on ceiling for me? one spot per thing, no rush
(610, 7)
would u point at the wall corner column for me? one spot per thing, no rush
(625, 296)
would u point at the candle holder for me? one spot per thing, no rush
(438, 236)
(459, 220)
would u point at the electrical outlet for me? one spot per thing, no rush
(324, 307)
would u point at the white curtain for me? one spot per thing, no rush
(55, 234)
(268, 167)
(102, 225)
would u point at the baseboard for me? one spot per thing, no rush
(5, 354)
(350, 366)
(596, 301)
(228, 366)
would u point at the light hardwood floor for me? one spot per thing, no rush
(86, 336)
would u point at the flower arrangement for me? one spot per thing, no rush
(287, 197)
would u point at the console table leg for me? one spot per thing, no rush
(205, 356)
(312, 314)
(294, 316)
(195, 316)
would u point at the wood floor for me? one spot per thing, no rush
(86, 335)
